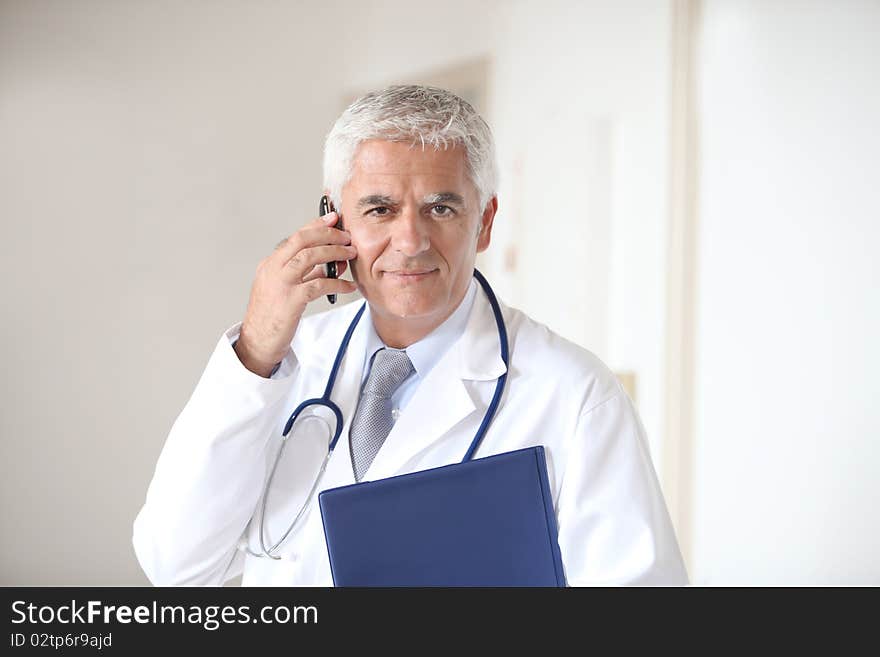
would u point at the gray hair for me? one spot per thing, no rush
(425, 115)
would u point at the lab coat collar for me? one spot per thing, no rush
(442, 399)
(479, 350)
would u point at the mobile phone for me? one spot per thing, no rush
(326, 207)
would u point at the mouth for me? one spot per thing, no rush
(410, 275)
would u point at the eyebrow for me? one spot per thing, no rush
(444, 197)
(431, 199)
(375, 199)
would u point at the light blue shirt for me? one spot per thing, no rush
(425, 353)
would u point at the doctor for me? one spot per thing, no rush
(412, 172)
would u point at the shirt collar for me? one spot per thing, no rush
(428, 351)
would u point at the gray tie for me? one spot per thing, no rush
(372, 421)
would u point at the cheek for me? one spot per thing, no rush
(458, 243)
(369, 243)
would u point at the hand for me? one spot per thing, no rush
(286, 281)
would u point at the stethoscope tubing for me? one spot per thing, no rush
(502, 380)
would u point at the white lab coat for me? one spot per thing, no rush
(202, 507)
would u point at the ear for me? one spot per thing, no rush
(485, 234)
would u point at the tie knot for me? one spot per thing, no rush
(390, 369)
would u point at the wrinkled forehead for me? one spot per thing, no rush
(389, 164)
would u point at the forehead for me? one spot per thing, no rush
(394, 163)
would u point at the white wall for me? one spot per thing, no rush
(581, 113)
(788, 424)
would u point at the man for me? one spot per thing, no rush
(412, 172)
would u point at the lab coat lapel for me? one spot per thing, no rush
(442, 400)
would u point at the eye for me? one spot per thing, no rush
(380, 211)
(442, 211)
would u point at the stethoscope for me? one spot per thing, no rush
(326, 402)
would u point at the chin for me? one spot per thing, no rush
(410, 308)
(408, 299)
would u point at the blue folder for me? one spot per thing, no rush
(483, 522)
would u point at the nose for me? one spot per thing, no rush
(410, 234)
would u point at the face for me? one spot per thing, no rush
(415, 220)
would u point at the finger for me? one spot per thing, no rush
(309, 235)
(329, 219)
(325, 220)
(319, 271)
(290, 245)
(319, 287)
(305, 260)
